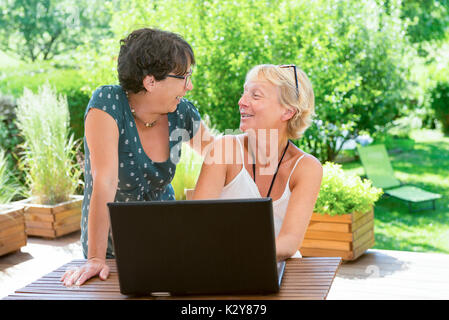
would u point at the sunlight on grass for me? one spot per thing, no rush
(399, 236)
(427, 135)
(426, 165)
(6, 60)
(438, 180)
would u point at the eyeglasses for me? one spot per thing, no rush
(294, 70)
(187, 77)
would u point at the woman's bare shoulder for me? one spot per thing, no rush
(232, 137)
(306, 157)
(309, 167)
(225, 149)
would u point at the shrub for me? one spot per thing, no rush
(351, 50)
(189, 166)
(440, 104)
(9, 134)
(7, 106)
(49, 152)
(187, 171)
(9, 188)
(341, 193)
(9, 138)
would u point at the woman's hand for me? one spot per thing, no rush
(92, 268)
(101, 133)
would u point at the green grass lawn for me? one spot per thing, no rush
(424, 163)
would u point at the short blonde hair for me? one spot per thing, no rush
(284, 79)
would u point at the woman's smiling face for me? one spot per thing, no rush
(259, 106)
(170, 91)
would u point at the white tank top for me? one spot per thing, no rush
(243, 186)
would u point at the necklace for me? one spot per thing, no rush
(147, 124)
(275, 173)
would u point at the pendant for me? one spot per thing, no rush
(147, 124)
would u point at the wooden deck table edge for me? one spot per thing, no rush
(304, 278)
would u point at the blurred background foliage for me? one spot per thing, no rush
(375, 65)
(43, 29)
(379, 68)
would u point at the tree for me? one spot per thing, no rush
(354, 52)
(427, 19)
(351, 50)
(43, 29)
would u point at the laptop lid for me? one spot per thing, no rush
(195, 247)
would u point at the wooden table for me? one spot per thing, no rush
(304, 279)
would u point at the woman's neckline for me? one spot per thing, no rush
(139, 142)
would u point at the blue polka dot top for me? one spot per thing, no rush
(139, 178)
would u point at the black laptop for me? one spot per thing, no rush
(195, 247)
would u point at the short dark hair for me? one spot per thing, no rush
(151, 52)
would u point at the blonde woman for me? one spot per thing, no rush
(276, 106)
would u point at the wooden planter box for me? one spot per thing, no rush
(51, 221)
(347, 236)
(12, 229)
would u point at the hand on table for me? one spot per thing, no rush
(91, 268)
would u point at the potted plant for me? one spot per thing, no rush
(48, 159)
(12, 228)
(342, 224)
(12, 223)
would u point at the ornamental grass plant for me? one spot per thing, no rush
(48, 159)
(342, 193)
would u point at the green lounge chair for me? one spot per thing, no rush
(378, 169)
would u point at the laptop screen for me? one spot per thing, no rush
(192, 247)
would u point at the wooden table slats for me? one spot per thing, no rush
(305, 278)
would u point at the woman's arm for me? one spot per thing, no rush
(102, 136)
(213, 172)
(202, 140)
(306, 182)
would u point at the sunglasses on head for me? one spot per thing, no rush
(294, 70)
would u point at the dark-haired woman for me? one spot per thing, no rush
(133, 135)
